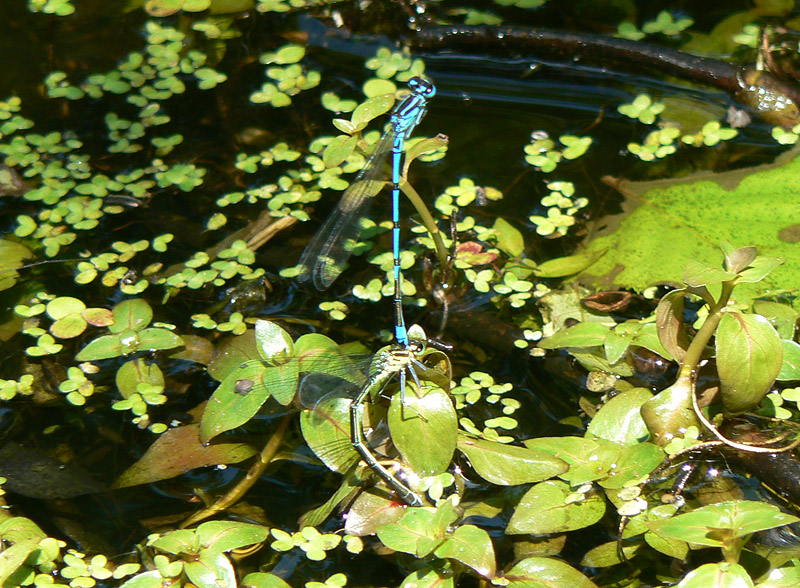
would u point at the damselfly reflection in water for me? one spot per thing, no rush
(333, 424)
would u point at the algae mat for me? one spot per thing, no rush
(669, 222)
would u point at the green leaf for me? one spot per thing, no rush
(588, 334)
(699, 274)
(103, 347)
(178, 451)
(11, 256)
(561, 267)
(371, 109)
(545, 572)
(632, 465)
(135, 372)
(782, 316)
(749, 358)
(437, 143)
(424, 429)
(419, 531)
(760, 269)
(263, 580)
(509, 239)
(241, 395)
(224, 536)
(619, 420)
(326, 430)
(14, 556)
(132, 314)
(339, 150)
(155, 338)
(545, 509)
(508, 465)
(272, 342)
(607, 554)
(473, 547)
(588, 460)
(210, 569)
(718, 575)
(719, 524)
(790, 367)
(786, 576)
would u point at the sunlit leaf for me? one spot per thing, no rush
(508, 465)
(473, 547)
(424, 429)
(545, 509)
(749, 358)
(210, 569)
(721, 523)
(620, 420)
(545, 572)
(227, 535)
(717, 575)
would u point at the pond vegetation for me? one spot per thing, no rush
(599, 246)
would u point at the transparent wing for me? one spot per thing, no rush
(328, 251)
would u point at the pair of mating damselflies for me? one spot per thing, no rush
(328, 251)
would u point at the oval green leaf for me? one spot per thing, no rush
(544, 509)
(620, 420)
(509, 465)
(545, 572)
(473, 547)
(424, 430)
(749, 358)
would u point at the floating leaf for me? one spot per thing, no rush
(240, 396)
(424, 429)
(719, 524)
(790, 367)
(619, 420)
(545, 509)
(588, 334)
(11, 256)
(473, 547)
(224, 536)
(507, 465)
(545, 572)
(718, 575)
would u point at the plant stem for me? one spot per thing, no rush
(263, 460)
(427, 220)
(703, 336)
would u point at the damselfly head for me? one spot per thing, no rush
(422, 87)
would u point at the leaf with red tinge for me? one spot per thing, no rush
(177, 451)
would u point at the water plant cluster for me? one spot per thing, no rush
(160, 353)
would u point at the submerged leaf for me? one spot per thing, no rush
(176, 452)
